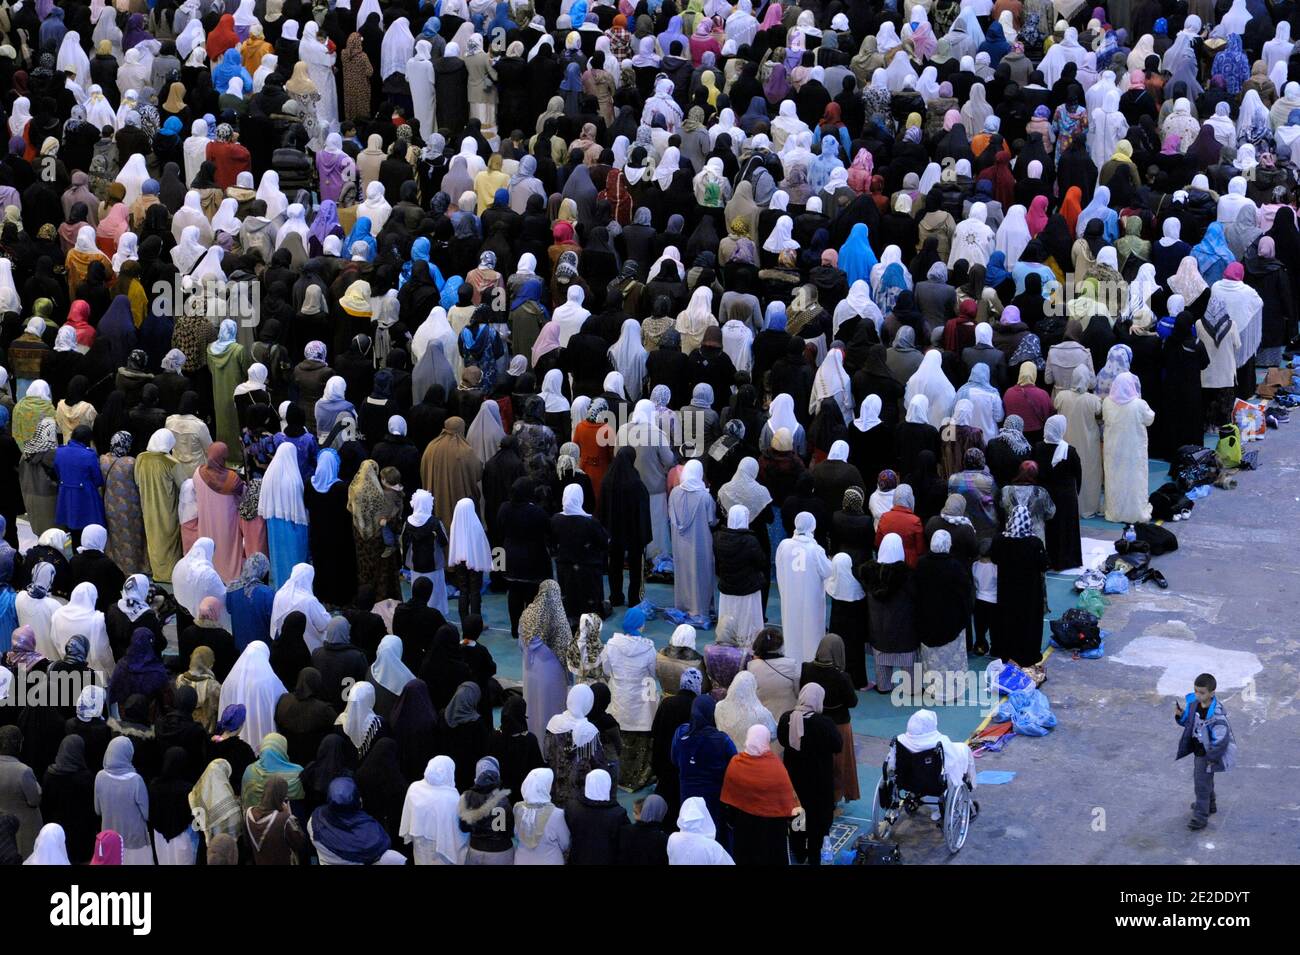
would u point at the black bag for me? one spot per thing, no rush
(1168, 500)
(1160, 539)
(1193, 466)
(1076, 629)
(870, 852)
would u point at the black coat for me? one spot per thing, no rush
(594, 829)
(944, 581)
(741, 563)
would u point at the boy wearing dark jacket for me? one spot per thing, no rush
(1206, 734)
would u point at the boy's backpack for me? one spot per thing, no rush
(1228, 450)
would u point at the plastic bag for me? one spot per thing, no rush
(1092, 601)
(1006, 678)
(1116, 583)
(1098, 653)
(1249, 418)
(1032, 714)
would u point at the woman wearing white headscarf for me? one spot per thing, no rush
(802, 570)
(930, 382)
(469, 556)
(375, 207)
(832, 381)
(50, 848)
(194, 149)
(1125, 419)
(194, 577)
(692, 515)
(540, 825)
(252, 684)
(571, 315)
(320, 67)
(1066, 50)
(419, 74)
(78, 617)
(1012, 235)
(190, 216)
(923, 735)
(695, 841)
(429, 816)
(298, 595)
(629, 358)
(486, 432)
(72, 59)
(280, 504)
(973, 239)
(741, 710)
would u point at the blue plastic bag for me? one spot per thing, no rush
(1099, 652)
(1032, 714)
(1008, 678)
(1116, 583)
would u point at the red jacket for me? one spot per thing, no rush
(901, 521)
(230, 159)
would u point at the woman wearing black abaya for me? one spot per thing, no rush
(444, 668)
(68, 798)
(383, 787)
(329, 527)
(1061, 474)
(415, 728)
(1022, 562)
(463, 734)
(170, 815)
(1180, 419)
(515, 749)
(334, 758)
(289, 653)
(303, 717)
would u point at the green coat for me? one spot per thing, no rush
(229, 369)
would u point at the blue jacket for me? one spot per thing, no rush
(80, 501)
(1218, 741)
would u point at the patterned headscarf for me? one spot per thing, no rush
(1019, 523)
(120, 444)
(692, 680)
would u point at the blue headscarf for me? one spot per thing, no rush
(633, 621)
(345, 829)
(1212, 253)
(361, 233)
(327, 470)
(231, 65)
(820, 169)
(578, 13)
(856, 256)
(529, 291)
(451, 292)
(995, 44)
(775, 318)
(995, 272)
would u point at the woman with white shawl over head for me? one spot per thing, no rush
(1125, 419)
(930, 382)
(320, 63)
(540, 824)
(802, 570)
(695, 841)
(430, 820)
(629, 358)
(252, 684)
(973, 239)
(486, 432)
(469, 555)
(923, 735)
(72, 59)
(745, 611)
(738, 343)
(692, 515)
(280, 504)
(269, 191)
(571, 315)
(419, 74)
(741, 709)
(194, 149)
(297, 594)
(832, 381)
(78, 617)
(194, 577)
(1067, 50)
(1012, 235)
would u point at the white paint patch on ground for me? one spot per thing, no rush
(1182, 660)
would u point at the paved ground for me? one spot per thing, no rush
(1104, 787)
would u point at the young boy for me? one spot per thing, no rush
(1206, 734)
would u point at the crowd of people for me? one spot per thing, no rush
(318, 319)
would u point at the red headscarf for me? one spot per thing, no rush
(1071, 206)
(79, 319)
(222, 38)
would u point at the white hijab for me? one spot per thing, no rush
(253, 684)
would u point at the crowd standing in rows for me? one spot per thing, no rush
(318, 318)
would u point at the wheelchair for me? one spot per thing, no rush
(917, 780)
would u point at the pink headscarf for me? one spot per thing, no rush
(1235, 272)
(1036, 217)
(772, 18)
(1125, 388)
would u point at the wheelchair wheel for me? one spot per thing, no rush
(880, 821)
(956, 818)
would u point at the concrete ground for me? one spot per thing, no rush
(1103, 787)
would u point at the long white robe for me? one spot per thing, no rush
(629, 663)
(802, 569)
(419, 74)
(1083, 433)
(1125, 451)
(38, 614)
(253, 683)
(691, 516)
